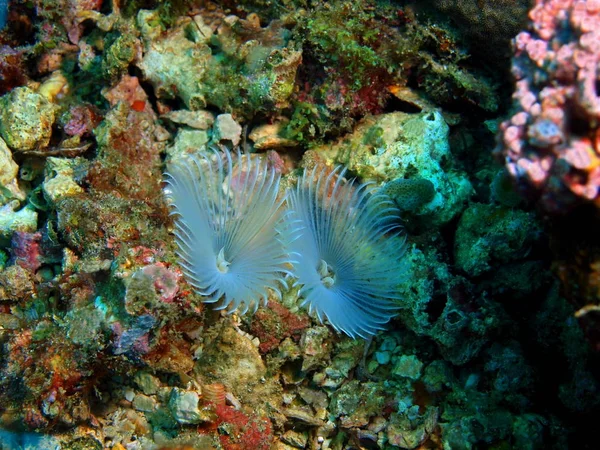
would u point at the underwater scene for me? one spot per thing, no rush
(298, 224)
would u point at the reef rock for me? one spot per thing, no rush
(26, 119)
(9, 188)
(406, 146)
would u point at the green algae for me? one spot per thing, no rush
(488, 235)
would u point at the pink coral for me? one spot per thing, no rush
(82, 120)
(26, 250)
(551, 144)
(165, 281)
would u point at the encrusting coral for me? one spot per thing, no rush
(550, 144)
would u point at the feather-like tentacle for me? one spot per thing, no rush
(228, 220)
(348, 267)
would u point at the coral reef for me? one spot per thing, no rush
(105, 338)
(551, 142)
(355, 60)
(9, 185)
(506, 236)
(410, 147)
(26, 119)
(260, 62)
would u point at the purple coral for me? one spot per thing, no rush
(226, 227)
(348, 267)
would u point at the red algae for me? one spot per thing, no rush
(26, 250)
(273, 324)
(239, 431)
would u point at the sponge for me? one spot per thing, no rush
(410, 194)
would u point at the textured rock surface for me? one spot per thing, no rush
(9, 185)
(400, 145)
(26, 119)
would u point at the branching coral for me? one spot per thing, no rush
(350, 270)
(226, 223)
(551, 143)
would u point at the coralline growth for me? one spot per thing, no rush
(551, 144)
